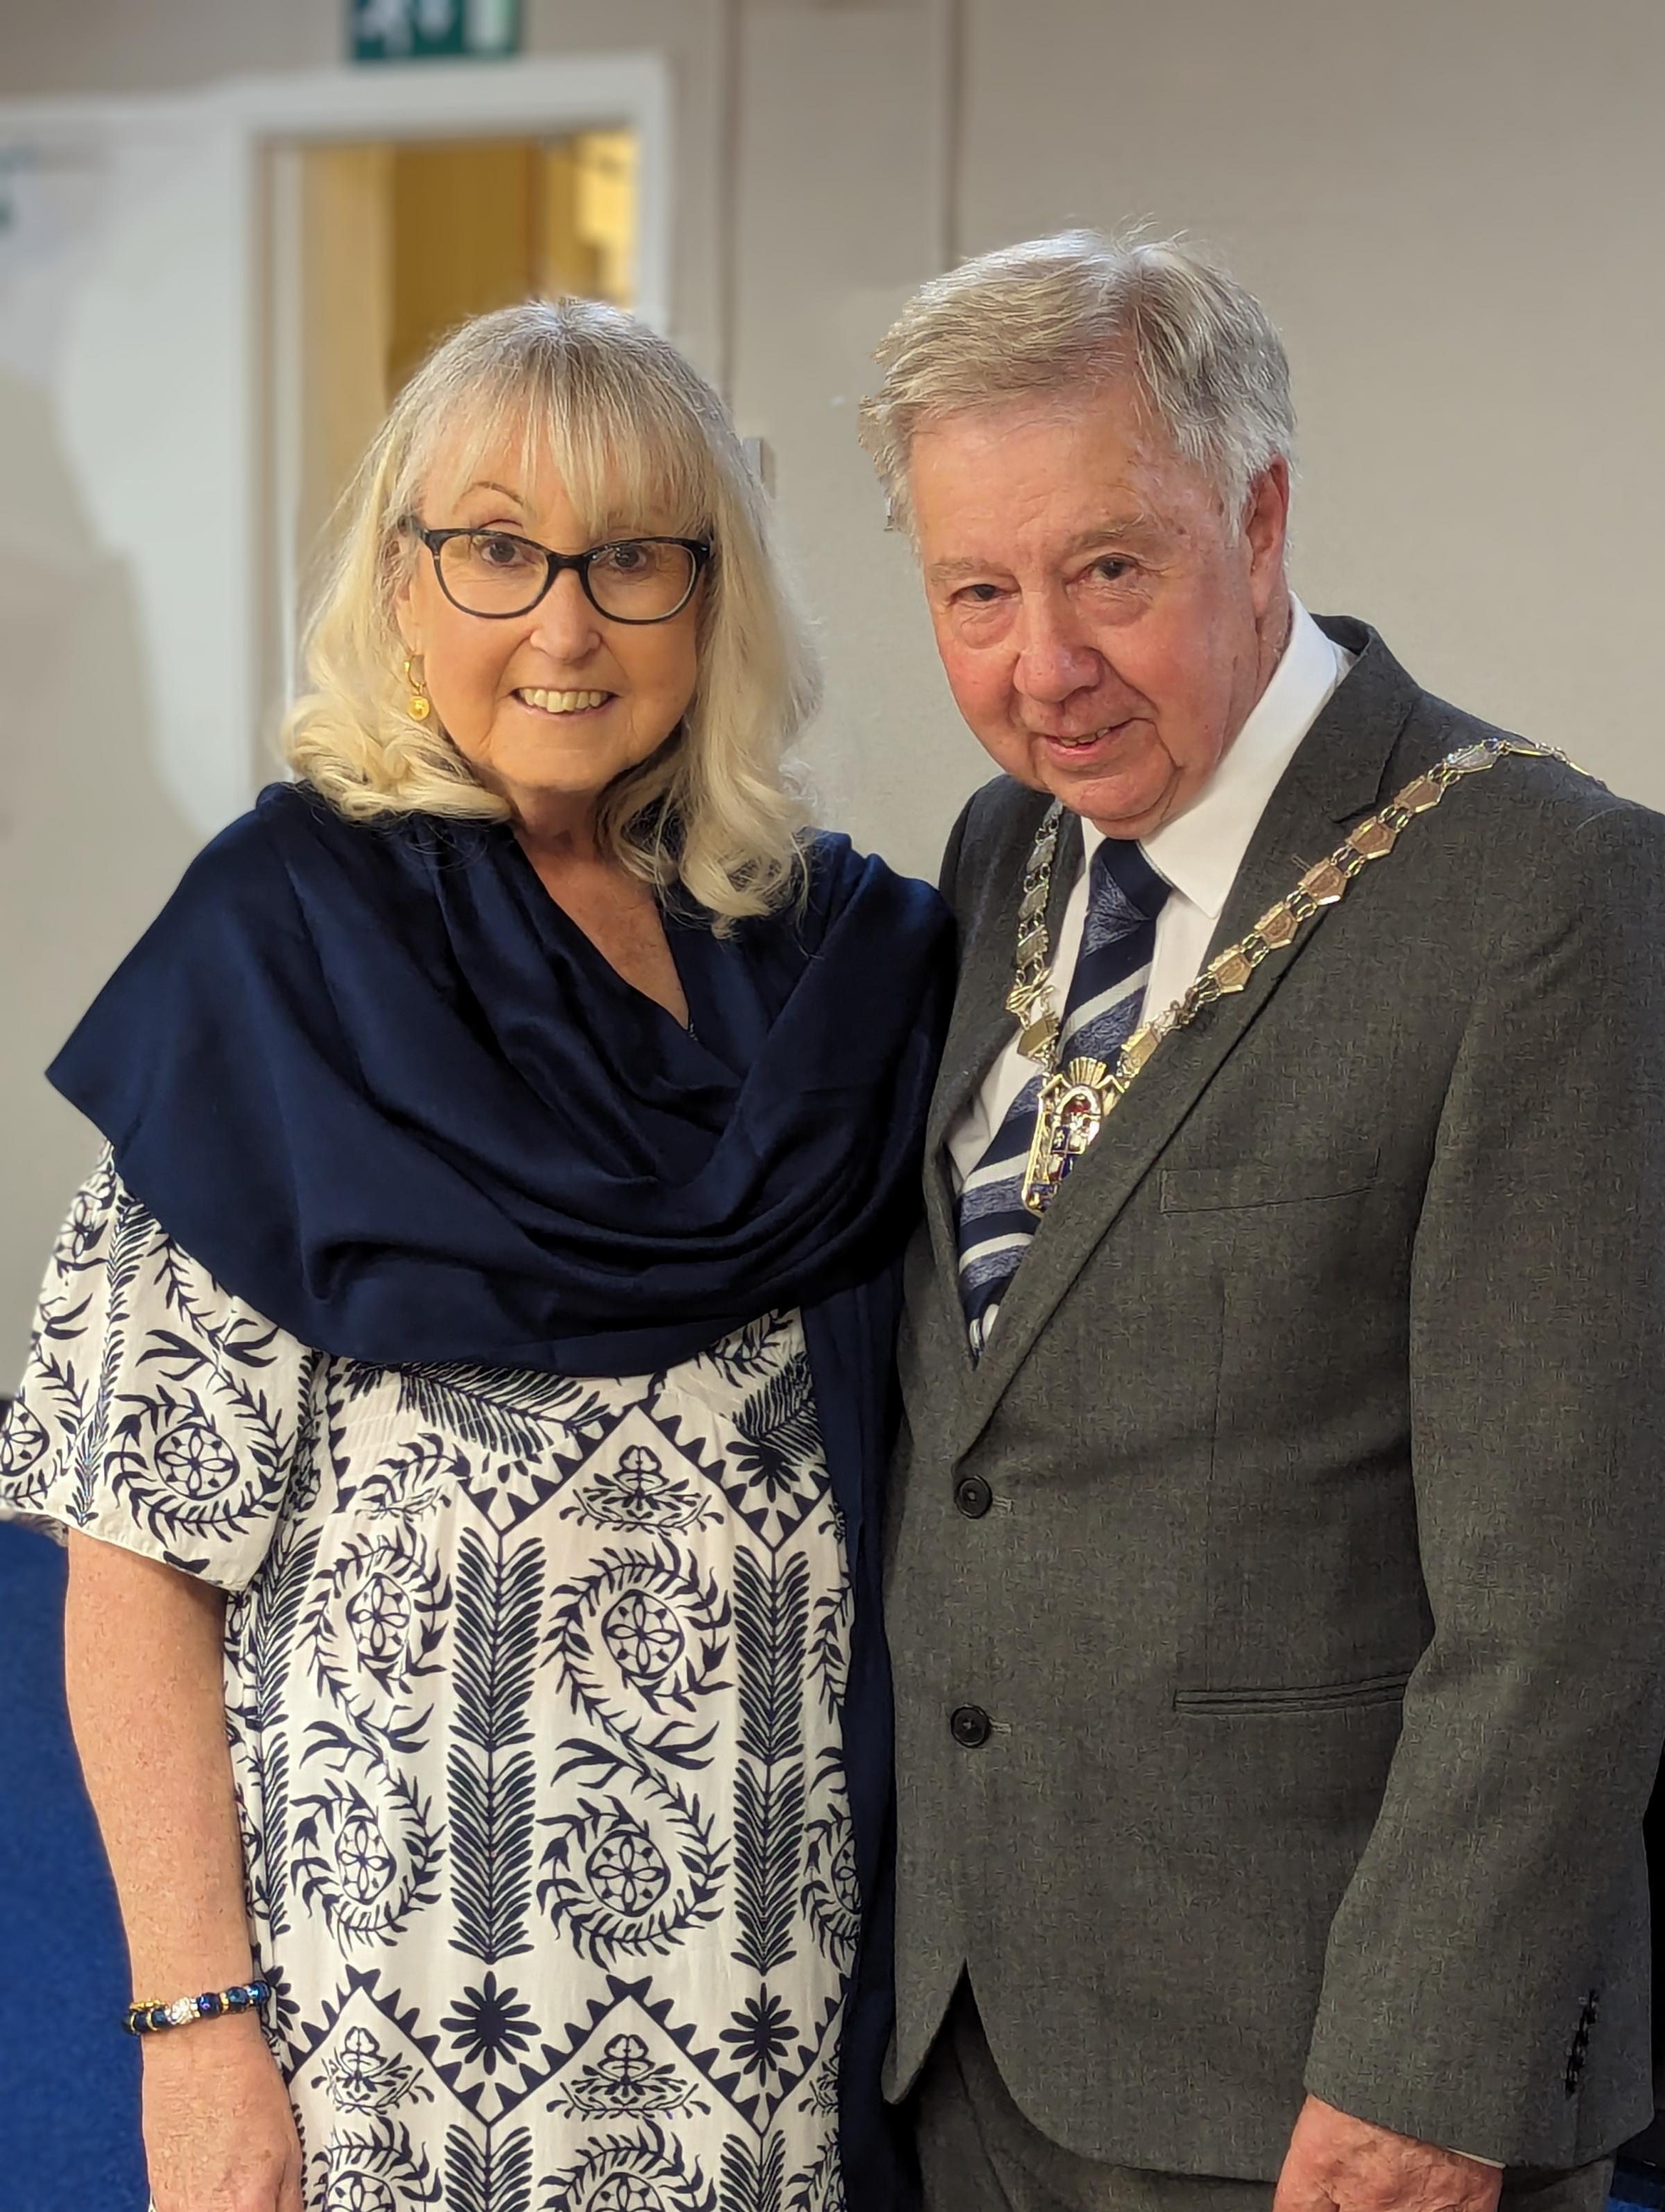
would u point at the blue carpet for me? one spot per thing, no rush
(69, 2077)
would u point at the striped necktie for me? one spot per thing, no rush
(1107, 991)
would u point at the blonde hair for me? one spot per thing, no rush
(636, 433)
(1074, 312)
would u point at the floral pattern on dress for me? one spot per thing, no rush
(534, 1691)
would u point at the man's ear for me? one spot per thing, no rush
(1265, 530)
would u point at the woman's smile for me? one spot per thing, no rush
(565, 706)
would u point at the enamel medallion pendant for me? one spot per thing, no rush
(1070, 1115)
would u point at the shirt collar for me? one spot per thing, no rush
(1201, 851)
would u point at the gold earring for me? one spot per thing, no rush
(418, 706)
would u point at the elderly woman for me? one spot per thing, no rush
(465, 1378)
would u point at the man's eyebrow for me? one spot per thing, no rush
(944, 572)
(1133, 529)
(1136, 528)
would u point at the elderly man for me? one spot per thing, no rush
(1276, 1548)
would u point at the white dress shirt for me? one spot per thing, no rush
(1198, 853)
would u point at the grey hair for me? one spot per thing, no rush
(639, 438)
(1074, 312)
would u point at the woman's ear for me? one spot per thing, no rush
(404, 614)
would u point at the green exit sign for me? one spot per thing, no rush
(425, 30)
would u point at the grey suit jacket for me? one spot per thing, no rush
(1316, 1605)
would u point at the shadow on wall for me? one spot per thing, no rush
(90, 844)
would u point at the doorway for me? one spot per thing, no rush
(398, 242)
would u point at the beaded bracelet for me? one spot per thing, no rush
(148, 2019)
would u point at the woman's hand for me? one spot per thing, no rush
(219, 2132)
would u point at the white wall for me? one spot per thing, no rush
(1452, 210)
(1456, 213)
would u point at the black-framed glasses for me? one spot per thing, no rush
(496, 575)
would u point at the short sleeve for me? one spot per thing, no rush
(156, 1411)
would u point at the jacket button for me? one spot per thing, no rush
(970, 1725)
(973, 1496)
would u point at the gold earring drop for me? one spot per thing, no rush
(418, 706)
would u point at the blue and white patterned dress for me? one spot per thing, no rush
(534, 1691)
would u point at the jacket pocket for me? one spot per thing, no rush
(1267, 1182)
(1314, 1698)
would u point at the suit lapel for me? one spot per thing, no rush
(1336, 775)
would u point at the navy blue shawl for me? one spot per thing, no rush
(382, 1087)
